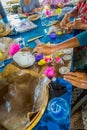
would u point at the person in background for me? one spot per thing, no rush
(77, 79)
(30, 6)
(57, 3)
(65, 5)
(80, 15)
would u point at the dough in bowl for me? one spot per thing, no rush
(24, 59)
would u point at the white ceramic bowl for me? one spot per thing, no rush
(67, 57)
(68, 51)
(24, 59)
(63, 70)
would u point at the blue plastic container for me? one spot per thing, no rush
(58, 109)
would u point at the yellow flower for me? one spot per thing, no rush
(58, 11)
(42, 62)
(59, 32)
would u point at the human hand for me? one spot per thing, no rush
(61, 5)
(44, 49)
(77, 24)
(65, 20)
(37, 10)
(77, 79)
(19, 10)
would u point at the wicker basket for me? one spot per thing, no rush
(13, 1)
(38, 116)
(34, 17)
(6, 30)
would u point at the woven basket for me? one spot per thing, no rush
(13, 1)
(38, 116)
(6, 31)
(34, 17)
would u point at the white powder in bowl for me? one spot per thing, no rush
(67, 57)
(24, 59)
(63, 70)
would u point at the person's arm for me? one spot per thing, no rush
(53, 48)
(84, 26)
(67, 17)
(77, 79)
(71, 14)
(79, 40)
(71, 43)
(82, 38)
(74, 12)
(26, 2)
(78, 24)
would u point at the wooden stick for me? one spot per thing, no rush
(52, 23)
(32, 39)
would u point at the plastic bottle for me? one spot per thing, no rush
(21, 42)
(43, 19)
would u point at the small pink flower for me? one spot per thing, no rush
(26, 14)
(14, 48)
(50, 72)
(48, 12)
(48, 59)
(58, 59)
